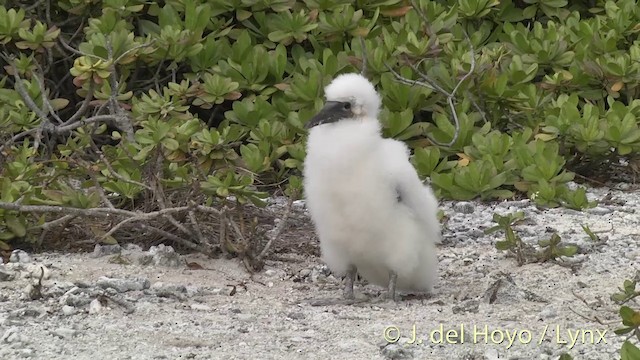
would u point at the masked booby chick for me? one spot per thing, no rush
(371, 212)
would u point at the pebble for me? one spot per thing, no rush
(5, 275)
(64, 332)
(19, 256)
(95, 307)
(105, 250)
(123, 285)
(397, 351)
(599, 210)
(68, 310)
(11, 336)
(36, 270)
(162, 255)
(201, 307)
(464, 207)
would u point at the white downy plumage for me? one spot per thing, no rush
(370, 209)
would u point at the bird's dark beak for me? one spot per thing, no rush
(331, 112)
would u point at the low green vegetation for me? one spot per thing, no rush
(144, 106)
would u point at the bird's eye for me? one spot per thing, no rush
(347, 106)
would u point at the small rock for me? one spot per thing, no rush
(26, 353)
(218, 291)
(104, 250)
(270, 272)
(296, 315)
(68, 310)
(200, 307)
(11, 336)
(464, 207)
(491, 354)
(160, 287)
(599, 210)
(64, 333)
(38, 270)
(76, 300)
(32, 292)
(6, 275)
(469, 306)
(95, 306)
(123, 285)
(19, 256)
(548, 313)
(396, 351)
(162, 255)
(304, 273)
(467, 261)
(245, 317)
(132, 248)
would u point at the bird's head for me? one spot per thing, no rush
(349, 96)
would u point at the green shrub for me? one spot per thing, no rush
(122, 103)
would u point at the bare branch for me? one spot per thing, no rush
(53, 223)
(45, 97)
(18, 137)
(97, 212)
(196, 227)
(117, 60)
(278, 230)
(83, 108)
(23, 92)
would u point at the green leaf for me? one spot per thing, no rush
(15, 225)
(629, 351)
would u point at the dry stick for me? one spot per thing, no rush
(99, 212)
(222, 232)
(100, 190)
(44, 95)
(279, 228)
(123, 121)
(83, 108)
(160, 197)
(22, 91)
(196, 227)
(53, 223)
(18, 137)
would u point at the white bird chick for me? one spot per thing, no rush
(372, 213)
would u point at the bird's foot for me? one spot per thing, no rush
(349, 280)
(391, 291)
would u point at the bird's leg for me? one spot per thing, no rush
(393, 279)
(350, 279)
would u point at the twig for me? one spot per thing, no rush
(18, 137)
(196, 227)
(53, 223)
(83, 108)
(279, 228)
(161, 200)
(99, 212)
(44, 96)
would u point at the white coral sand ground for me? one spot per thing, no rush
(96, 307)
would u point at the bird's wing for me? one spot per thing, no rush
(411, 191)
